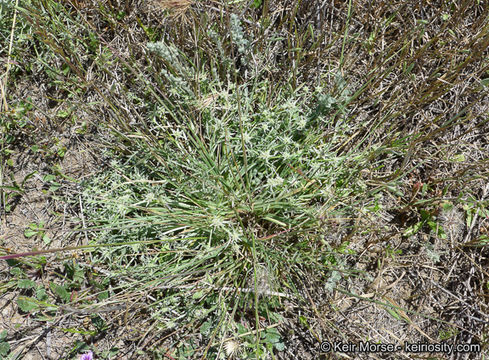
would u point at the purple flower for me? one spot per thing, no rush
(87, 356)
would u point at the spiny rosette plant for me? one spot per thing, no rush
(248, 170)
(232, 186)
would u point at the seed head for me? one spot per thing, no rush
(231, 347)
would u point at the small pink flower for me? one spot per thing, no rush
(87, 356)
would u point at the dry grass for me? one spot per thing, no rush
(177, 8)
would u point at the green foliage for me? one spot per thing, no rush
(27, 304)
(99, 323)
(37, 230)
(4, 345)
(75, 273)
(447, 333)
(429, 220)
(60, 291)
(26, 284)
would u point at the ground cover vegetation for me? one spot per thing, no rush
(243, 179)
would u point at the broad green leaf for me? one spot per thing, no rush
(27, 304)
(410, 231)
(46, 239)
(4, 348)
(103, 295)
(241, 329)
(28, 233)
(15, 271)
(458, 158)
(26, 284)
(77, 331)
(61, 292)
(273, 336)
(279, 346)
(198, 295)
(41, 293)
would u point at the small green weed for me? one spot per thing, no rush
(4, 345)
(37, 230)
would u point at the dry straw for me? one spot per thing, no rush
(177, 8)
